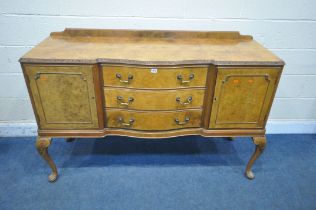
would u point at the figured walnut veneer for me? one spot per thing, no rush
(64, 96)
(150, 84)
(144, 78)
(242, 97)
(154, 121)
(152, 99)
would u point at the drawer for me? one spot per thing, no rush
(154, 77)
(153, 99)
(153, 121)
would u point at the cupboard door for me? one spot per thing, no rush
(63, 96)
(243, 97)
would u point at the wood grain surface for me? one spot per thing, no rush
(154, 77)
(150, 48)
(64, 96)
(154, 99)
(153, 121)
(243, 96)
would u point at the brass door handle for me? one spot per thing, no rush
(183, 82)
(129, 77)
(120, 101)
(186, 120)
(122, 122)
(187, 102)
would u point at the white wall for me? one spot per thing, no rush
(287, 27)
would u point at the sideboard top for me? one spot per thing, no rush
(150, 48)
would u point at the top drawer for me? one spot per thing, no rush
(154, 77)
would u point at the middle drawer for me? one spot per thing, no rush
(154, 99)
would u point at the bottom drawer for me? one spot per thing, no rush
(153, 121)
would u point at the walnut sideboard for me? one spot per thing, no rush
(150, 84)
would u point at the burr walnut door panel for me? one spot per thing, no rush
(243, 97)
(63, 96)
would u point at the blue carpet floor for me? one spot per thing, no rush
(122, 173)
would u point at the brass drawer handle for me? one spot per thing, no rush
(183, 82)
(122, 122)
(37, 76)
(187, 102)
(120, 101)
(186, 120)
(129, 77)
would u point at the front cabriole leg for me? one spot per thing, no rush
(42, 144)
(260, 143)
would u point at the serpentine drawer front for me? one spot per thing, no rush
(150, 84)
(154, 77)
(152, 99)
(144, 120)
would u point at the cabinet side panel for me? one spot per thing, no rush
(209, 93)
(99, 94)
(27, 81)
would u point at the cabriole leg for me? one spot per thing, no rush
(42, 145)
(260, 143)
